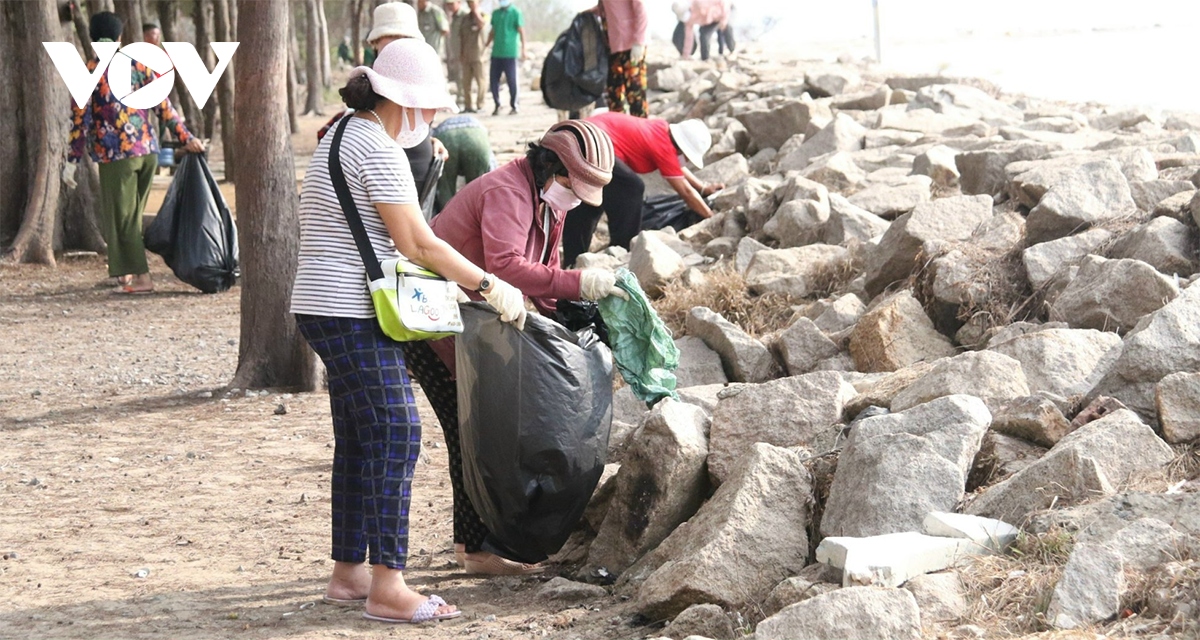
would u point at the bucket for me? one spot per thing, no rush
(166, 157)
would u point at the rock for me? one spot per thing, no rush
(965, 101)
(1163, 243)
(671, 78)
(703, 396)
(735, 139)
(831, 82)
(706, 620)
(1001, 456)
(1149, 542)
(802, 345)
(896, 468)
(1147, 194)
(1176, 206)
(1101, 520)
(1033, 418)
(1121, 119)
(626, 406)
(618, 439)
(797, 223)
(1177, 398)
(772, 127)
(836, 171)
(839, 314)
(856, 612)
(878, 138)
(891, 200)
(895, 334)
(926, 121)
(982, 171)
(698, 365)
(662, 482)
(743, 358)
(849, 223)
(653, 262)
(732, 170)
(1093, 193)
(1090, 461)
(717, 248)
(752, 199)
(940, 596)
(891, 560)
(956, 285)
(993, 377)
(1062, 362)
(1112, 295)
(864, 100)
(1090, 588)
(787, 412)
(798, 271)
(881, 392)
(1045, 260)
(562, 589)
(793, 590)
(937, 162)
(992, 535)
(841, 134)
(749, 536)
(944, 221)
(746, 248)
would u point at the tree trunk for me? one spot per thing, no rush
(326, 64)
(225, 89)
(131, 14)
(356, 35)
(271, 352)
(168, 19)
(312, 59)
(79, 211)
(202, 15)
(293, 88)
(80, 19)
(31, 182)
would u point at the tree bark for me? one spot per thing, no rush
(225, 90)
(355, 18)
(326, 63)
(79, 211)
(271, 353)
(96, 6)
(168, 21)
(80, 19)
(31, 182)
(293, 88)
(202, 15)
(312, 59)
(131, 14)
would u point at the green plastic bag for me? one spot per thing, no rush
(642, 346)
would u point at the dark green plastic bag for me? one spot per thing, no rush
(642, 346)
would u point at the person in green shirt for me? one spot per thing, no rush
(432, 22)
(508, 30)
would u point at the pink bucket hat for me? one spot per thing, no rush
(587, 153)
(409, 73)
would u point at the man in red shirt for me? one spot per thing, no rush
(641, 145)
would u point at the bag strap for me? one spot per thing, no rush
(338, 177)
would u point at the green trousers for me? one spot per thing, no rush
(470, 157)
(124, 190)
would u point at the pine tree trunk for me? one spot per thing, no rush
(80, 20)
(202, 15)
(79, 211)
(293, 87)
(225, 89)
(272, 353)
(168, 21)
(312, 59)
(326, 63)
(96, 6)
(131, 14)
(356, 34)
(31, 182)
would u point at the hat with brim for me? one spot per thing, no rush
(587, 153)
(693, 139)
(397, 19)
(409, 73)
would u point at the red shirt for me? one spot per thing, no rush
(642, 143)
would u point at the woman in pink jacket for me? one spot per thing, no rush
(509, 223)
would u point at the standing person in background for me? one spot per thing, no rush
(122, 143)
(472, 30)
(710, 16)
(466, 140)
(508, 30)
(681, 8)
(625, 21)
(725, 40)
(431, 20)
(455, 13)
(152, 34)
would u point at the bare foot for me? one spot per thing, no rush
(350, 581)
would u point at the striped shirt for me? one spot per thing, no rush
(330, 277)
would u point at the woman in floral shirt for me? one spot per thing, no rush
(125, 147)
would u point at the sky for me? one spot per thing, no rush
(1081, 50)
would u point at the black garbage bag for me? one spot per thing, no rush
(668, 210)
(534, 410)
(575, 73)
(194, 232)
(577, 315)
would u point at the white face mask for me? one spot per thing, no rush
(560, 198)
(411, 135)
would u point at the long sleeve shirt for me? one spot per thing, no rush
(110, 131)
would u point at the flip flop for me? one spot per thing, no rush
(498, 566)
(128, 290)
(424, 613)
(344, 602)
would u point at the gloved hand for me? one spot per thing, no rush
(68, 174)
(637, 52)
(509, 301)
(595, 284)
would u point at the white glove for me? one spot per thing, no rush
(637, 52)
(68, 174)
(509, 301)
(595, 284)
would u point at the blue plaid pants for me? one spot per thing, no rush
(377, 437)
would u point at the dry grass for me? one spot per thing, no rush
(725, 292)
(1011, 593)
(1153, 599)
(1183, 467)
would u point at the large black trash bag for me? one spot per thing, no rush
(535, 410)
(575, 73)
(668, 210)
(193, 231)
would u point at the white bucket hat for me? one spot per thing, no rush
(693, 139)
(409, 73)
(394, 19)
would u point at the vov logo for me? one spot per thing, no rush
(179, 56)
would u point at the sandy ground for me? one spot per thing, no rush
(142, 498)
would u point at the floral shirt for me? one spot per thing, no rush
(117, 132)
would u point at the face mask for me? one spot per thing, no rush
(504, 4)
(560, 198)
(411, 135)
